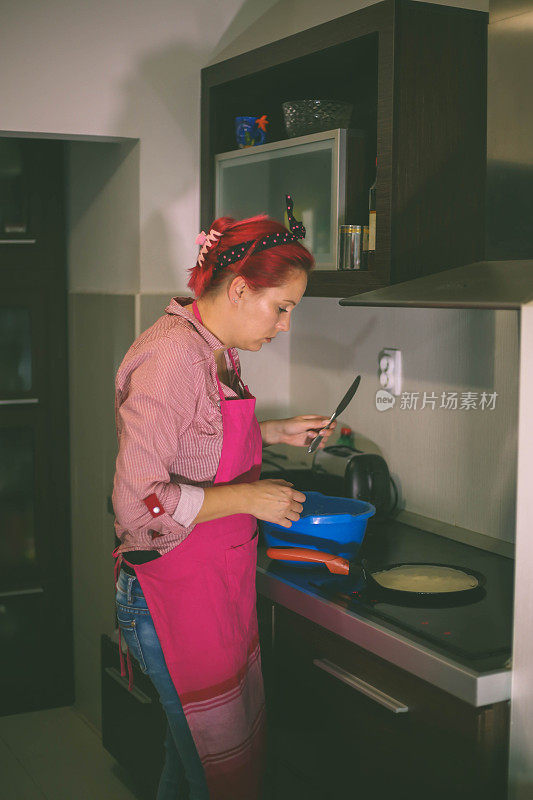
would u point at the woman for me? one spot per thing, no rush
(187, 497)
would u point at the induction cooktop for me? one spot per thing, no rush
(475, 630)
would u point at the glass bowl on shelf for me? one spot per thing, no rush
(314, 116)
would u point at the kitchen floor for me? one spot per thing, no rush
(57, 755)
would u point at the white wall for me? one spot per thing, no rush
(103, 216)
(292, 16)
(116, 68)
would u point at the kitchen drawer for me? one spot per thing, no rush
(133, 723)
(307, 643)
(339, 710)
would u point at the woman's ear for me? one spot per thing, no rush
(236, 289)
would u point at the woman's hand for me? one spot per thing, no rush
(274, 501)
(298, 431)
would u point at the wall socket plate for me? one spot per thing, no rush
(390, 370)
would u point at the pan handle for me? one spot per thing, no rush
(372, 692)
(335, 564)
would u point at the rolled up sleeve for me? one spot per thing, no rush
(189, 504)
(156, 405)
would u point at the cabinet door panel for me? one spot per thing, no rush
(327, 727)
(18, 561)
(289, 785)
(15, 351)
(35, 579)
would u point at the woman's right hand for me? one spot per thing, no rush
(274, 501)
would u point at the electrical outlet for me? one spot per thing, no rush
(390, 370)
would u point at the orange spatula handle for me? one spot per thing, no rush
(335, 564)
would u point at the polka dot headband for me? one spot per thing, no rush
(245, 249)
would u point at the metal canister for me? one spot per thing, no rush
(350, 246)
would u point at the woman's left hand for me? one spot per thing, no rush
(298, 431)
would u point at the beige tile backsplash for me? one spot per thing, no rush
(458, 467)
(455, 466)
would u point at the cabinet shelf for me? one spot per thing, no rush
(416, 75)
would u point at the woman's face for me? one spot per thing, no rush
(261, 315)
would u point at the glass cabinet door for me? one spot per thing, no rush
(311, 168)
(15, 351)
(21, 337)
(35, 581)
(15, 191)
(18, 557)
(30, 200)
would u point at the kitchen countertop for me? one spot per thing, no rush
(478, 683)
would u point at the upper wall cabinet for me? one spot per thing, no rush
(416, 76)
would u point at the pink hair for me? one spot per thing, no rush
(260, 270)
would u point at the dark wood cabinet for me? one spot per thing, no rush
(36, 670)
(343, 721)
(416, 74)
(133, 723)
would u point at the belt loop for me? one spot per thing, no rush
(128, 590)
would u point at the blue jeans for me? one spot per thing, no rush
(182, 764)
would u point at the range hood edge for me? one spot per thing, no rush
(484, 285)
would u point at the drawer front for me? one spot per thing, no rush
(309, 645)
(339, 709)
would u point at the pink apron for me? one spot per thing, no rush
(201, 597)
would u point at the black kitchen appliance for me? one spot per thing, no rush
(365, 476)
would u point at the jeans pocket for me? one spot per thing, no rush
(128, 626)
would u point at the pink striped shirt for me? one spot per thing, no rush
(169, 428)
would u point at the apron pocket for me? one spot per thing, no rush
(241, 563)
(128, 627)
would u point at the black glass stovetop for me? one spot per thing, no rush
(475, 630)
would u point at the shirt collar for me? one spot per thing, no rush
(182, 307)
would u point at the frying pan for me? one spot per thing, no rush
(341, 566)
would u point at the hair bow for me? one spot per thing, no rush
(296, 227)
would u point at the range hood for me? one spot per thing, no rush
(505, 280)
(485, 284)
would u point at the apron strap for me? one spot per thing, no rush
(118, 563)
(196, 311)
(243, 387)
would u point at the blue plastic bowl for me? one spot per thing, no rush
(332, 524)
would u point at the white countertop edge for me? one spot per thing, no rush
(477, 689)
